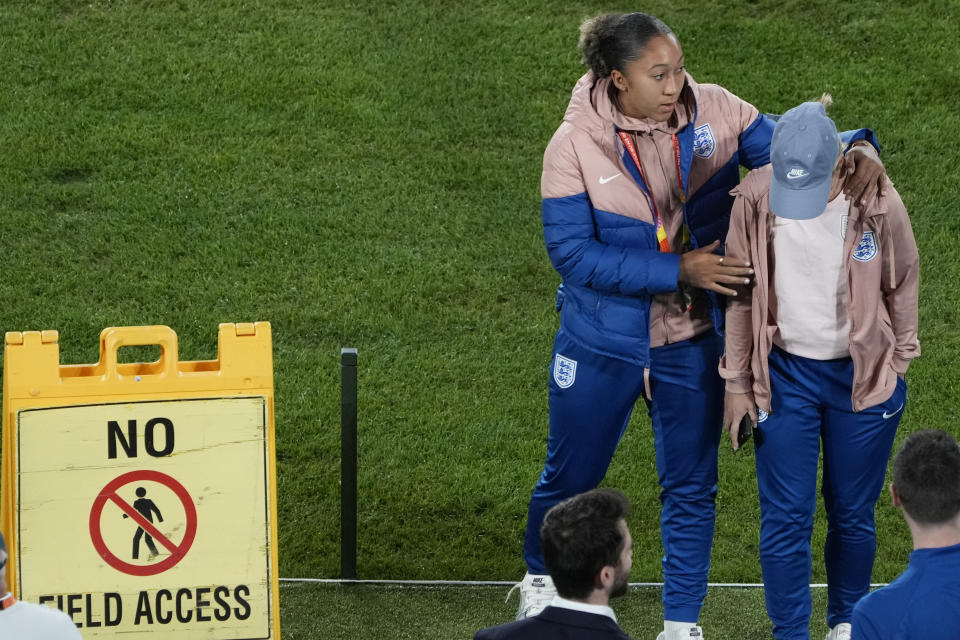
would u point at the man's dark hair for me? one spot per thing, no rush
(926, 475)
(580, 536)
(3, 543)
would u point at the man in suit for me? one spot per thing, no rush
(588, 553)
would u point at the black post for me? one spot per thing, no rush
(348, 464)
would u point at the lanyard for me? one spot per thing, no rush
(661, 231)
(632, 150)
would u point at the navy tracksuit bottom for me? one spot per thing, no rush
(811, 404)
(590, 406)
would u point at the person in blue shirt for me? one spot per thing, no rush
(923, 603)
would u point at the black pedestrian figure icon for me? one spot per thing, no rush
(146, 508)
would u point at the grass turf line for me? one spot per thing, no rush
(312, 612)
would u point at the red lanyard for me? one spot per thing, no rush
(632, 150)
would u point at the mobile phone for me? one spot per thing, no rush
(746, 430)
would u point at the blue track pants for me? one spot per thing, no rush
(810, 404)
(588, 418)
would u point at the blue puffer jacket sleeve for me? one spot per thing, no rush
(593, 248)
(754, 148)
(755, 140)
(849, 137)
(569, 229)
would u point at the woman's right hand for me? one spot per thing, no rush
(704, 269)
(735, 406)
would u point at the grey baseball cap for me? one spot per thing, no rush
(803, 152)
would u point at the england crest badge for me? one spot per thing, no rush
(704, 144)
(867, 247)
(564, 371)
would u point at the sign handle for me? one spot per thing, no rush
(348, 464)
(112, 338)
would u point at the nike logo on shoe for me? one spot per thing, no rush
(893, 413)
(606, 180)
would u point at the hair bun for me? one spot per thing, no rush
(595, 34)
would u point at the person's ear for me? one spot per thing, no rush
(619, 80)
(895, 496)
(606, 578)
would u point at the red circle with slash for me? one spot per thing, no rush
(109, 494)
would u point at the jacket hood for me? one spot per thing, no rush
(591, 107)
(878, 206)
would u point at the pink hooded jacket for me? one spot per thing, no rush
(883, 283)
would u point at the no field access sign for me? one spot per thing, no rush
(141, 498)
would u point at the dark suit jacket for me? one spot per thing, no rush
(556, 623)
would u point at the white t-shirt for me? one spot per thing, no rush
(29, 621)
(810, 284)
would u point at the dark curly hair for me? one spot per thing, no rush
(580, 536)
(612, 40)
(926, 476)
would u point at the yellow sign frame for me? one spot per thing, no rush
(34, 379)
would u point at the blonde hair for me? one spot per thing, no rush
(827, 101)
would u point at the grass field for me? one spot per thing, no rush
(324, 611)
(367, 175)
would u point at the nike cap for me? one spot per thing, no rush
(803, 152)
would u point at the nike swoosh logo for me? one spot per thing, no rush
(606, 180)
(890, 415)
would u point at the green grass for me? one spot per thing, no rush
(401, 613)
(367, 175)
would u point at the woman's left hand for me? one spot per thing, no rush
(735, 406)
(867, 174)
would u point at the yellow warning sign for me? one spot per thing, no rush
(148, 507)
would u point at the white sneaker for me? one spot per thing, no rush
(536, 593)
(693, 633)
(839, 632)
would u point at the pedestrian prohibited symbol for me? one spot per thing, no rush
(141, 512)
